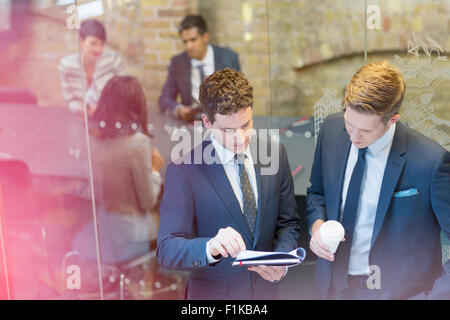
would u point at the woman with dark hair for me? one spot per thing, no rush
(126, 174)
(84, 74)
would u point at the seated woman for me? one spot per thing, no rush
(83, 75)
(126, 175)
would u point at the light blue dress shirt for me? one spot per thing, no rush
(376, 158)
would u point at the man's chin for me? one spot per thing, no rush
(192, 55)
(360, 144)
(240, 148)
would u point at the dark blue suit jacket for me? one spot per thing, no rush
(406, 236)
(178, 80)
(198, 200)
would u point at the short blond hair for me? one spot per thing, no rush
(377, 88)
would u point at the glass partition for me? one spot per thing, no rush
(89, 122)
(413, 36)
(315, 48)
(45, 189)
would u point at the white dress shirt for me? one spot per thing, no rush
(226, 158)
(376, 158)
(208, 69)
(231, 168)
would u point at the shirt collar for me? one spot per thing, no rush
(206, 60)
(226, 156)
(384, 141)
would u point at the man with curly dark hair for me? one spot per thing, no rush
(213, 210)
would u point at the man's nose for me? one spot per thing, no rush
(355, 134)
(98, 49)
(189, 45)
(239, 136)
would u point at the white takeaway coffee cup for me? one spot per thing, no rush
(331, 233)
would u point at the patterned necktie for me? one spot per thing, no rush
(342, 256)
(201, 71)
(249, 209)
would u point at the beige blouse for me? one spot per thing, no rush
(123, 178)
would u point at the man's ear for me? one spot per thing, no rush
(206, 37)
(206, 122)
(394, 119)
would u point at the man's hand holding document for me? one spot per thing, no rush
(257, 258)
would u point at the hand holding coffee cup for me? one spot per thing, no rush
(331, 234)
(319, 247)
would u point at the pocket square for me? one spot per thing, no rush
(406, 193)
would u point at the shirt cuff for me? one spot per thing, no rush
(157, 177)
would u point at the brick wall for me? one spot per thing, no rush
(320, 44)
(145, 33)
(312, 44)
(242, 26)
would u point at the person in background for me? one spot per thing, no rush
(127, 180)
(189, 68)
(389, 187)
(84, 74)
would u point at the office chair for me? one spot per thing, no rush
(24, 234)
(128, 269)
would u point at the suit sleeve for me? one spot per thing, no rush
(440, 202)
(315, 196)
(167, 100)
(178, 248)
(288, 222)
(236, 64)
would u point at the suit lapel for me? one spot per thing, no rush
(392, 172)
(218, 65)
(343, 144)
(186, 77)
(219, 180)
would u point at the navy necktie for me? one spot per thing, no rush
(201, 71)
(249, 204)
(342, 255)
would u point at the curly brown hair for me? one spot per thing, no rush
(377, 88)
(225, 92)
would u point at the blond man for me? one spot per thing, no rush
(388, 186)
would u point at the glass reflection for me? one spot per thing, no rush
(44, 178)
(58, 57)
